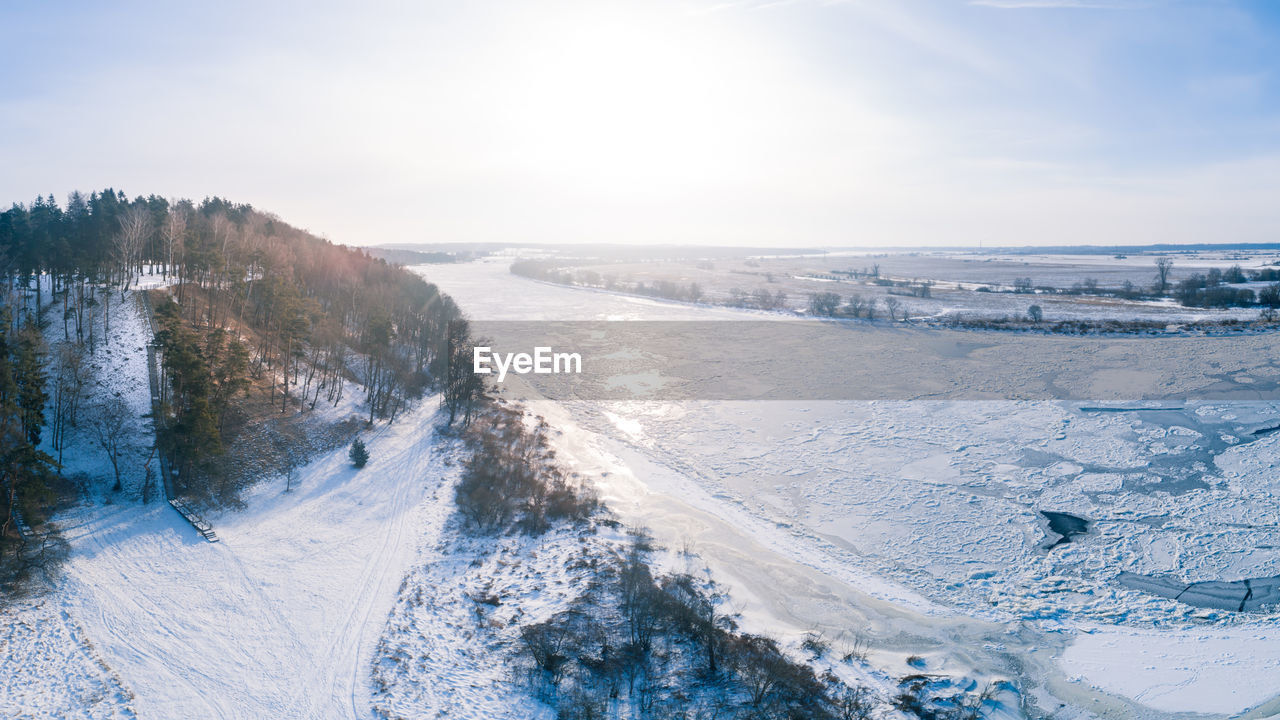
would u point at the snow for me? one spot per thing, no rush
(54, 667)
(445, 651)
(914, 524)
(52, 670)
(955, 277)
(118, 368)
(1172, 671)
(919, 521)
(280, 618)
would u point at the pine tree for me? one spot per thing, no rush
(359, 455)
(31, 379)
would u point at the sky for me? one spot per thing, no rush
(730, 122)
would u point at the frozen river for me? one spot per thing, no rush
(920, 523)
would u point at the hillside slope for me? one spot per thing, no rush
(279, 619)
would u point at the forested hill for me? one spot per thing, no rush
(251, 307)
(299, 293)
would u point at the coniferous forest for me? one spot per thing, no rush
(251, 309)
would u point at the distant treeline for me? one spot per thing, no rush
(557, 273)
(416, 257)
(1211, 289)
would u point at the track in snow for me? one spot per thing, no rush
(281, 617)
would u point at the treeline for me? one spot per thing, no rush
(1029, 323)
(401, 256)
(27, 551)
(540, 270)
(1210, 289)
(251, 300)
(1213, 289)
(829, 304)
(866, 272)
(556, 273)
(759, 299)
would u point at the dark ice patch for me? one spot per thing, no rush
(1250, 595)
(1063, 527)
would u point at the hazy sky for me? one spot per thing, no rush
(865, 122)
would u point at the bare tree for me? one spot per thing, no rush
(854, 647)
(463, 388)
(853, 703)
(135, 227)
(1164, 265)
(111, 427)
(762, 298)
(222, 236)
(173, 233)
(891, 305)
(824, 304)
(544, 642)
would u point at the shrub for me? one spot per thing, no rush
(823, 304)
(659, 646)
(510, 477)
(359, 454)
(815, 644)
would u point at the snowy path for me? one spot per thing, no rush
(280, 618)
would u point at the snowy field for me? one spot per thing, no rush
(956, 276)
(919, 523)
(278, 619)
(51, 668)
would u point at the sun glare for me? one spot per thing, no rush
(625, 102)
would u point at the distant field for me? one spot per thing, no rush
(967, 283)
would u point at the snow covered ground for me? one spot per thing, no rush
(445, 651)
(956, 277)
(52, 670)
(117, 368)
(1173, 671)
(912, 524)
(918, 523)
(279, 619)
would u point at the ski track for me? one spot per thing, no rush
(280, 618)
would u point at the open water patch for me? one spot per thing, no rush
(1062, 528)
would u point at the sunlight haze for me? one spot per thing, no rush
(861, 123)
